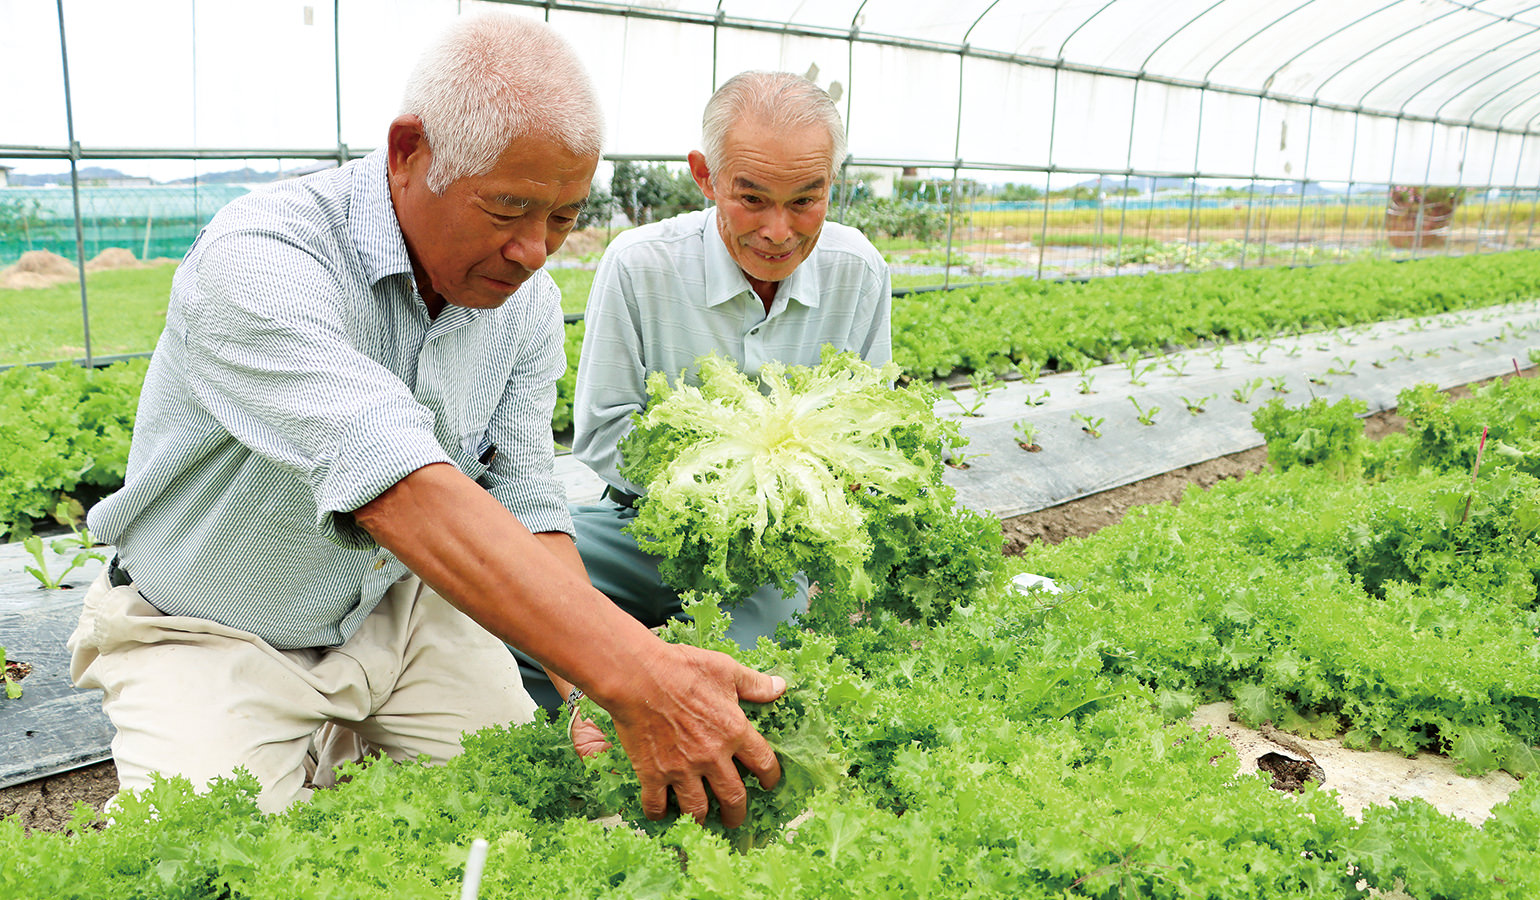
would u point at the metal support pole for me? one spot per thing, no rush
(1529, 235)
(951, 212)
(1513, 203)
(1193, 233)
(1053, 118)
(1347, 199)
(1304, 185)
(847, 191)
(80, 238)
(1251, 191)
(1128, 163)
(1390, 179)
(342, 150)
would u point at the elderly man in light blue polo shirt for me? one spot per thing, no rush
(761, 276)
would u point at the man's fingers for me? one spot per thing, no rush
(732, 798)
(757, 687)
(693, 802)
(758, 757)
(587, 738)
(654, 800)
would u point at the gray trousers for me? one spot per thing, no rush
(629, 576)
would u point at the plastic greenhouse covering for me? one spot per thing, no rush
(1388, 91)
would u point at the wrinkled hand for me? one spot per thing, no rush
(682, 728)
(587, 738)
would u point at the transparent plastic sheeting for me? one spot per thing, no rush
(1373, 363)
(1392, 91)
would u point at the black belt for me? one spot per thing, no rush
(619, 496)
(118, 575)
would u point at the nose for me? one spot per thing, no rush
(776, 226)
(528, 247)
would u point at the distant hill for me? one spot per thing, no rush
(87, 173)
(245, 175)
(252, 176)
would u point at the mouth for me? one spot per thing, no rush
(770, 257)
(505, 286)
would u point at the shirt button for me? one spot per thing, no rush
(755, 331)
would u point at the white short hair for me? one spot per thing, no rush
(782, 100)
(492, 79)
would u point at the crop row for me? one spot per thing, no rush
(1026, 324)
(1030, 745)
(1060, 326)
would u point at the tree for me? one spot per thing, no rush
(19, 218)
(652, 193)
(1013, 191)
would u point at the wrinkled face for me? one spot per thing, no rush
(771, 189)
(480, 240)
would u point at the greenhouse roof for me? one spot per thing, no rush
(1467, 62)
(1387, 91)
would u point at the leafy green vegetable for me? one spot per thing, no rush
(746, 488)
(1316, 434)
(798, 726)
(12, 685)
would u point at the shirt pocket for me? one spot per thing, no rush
(475, 454)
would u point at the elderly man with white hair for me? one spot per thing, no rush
(340, 500)
(760, 276)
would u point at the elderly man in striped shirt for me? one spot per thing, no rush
(340, 500)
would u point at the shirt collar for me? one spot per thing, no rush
(372, 221)
(724, 280)
(377, 235)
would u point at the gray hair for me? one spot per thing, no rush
(780, 99)
(492, 79)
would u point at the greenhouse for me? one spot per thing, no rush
(1172, 530)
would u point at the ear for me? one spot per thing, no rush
(407, 148)
(701, 174)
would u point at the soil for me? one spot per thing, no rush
(48, 803)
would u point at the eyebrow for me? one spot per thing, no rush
(511, 201)
(745, 184)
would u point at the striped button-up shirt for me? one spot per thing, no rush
(298, 377)
(667, 294)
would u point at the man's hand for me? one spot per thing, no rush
(683, 728)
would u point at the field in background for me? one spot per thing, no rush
(127, 306)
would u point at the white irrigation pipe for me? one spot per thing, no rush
(474, 864)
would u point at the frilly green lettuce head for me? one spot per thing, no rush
(749, 483)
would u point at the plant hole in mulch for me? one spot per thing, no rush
(16, 670)
(1290, 774)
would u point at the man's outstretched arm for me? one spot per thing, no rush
(675, 707)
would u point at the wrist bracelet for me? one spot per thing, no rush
(573, 696)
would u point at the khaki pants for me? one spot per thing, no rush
(192, 697)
